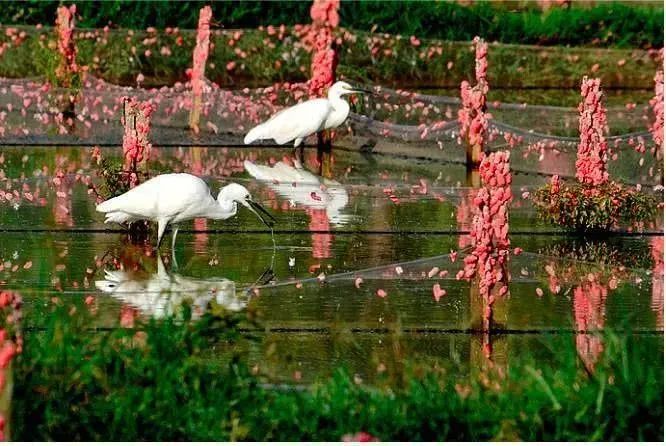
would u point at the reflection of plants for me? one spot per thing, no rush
(594, 208)
(602, 253)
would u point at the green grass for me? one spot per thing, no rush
(74, 383)
(262, 59)
(618, 24)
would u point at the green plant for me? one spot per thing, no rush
(178, 379)
(115, 181)
(587, 208)
(620, 24)
(259, 58)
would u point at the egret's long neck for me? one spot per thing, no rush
(338, 104)
(221, 208)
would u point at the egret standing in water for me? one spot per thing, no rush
(302, 120)
(176, 197)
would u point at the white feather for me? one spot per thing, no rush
(302, 120)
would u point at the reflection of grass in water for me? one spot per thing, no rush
(112, 385)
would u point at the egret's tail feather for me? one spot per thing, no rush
(118, 217)
(109, 205)
(254, 134)
(105, 285)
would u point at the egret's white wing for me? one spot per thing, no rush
(298, 121)
(161, 196)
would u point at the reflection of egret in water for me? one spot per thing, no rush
(589, 313)
(322, 199)
(161, 294)
(200, 237)
(200, 224)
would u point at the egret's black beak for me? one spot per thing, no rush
(262, 213)
(362, 90)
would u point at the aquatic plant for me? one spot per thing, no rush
(586, 208)
(593, 203)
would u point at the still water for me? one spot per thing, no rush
(348, 276)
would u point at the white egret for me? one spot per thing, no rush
(176, 197)
(161, 294)
(302, 120)
(303, 188)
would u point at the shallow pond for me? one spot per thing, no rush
(347, 277)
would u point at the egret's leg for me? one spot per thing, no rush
(161, 227)
(173, 238)
(299, 146)
(173, 246)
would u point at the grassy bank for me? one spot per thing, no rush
(241, 58)
(618, 24)
(174, 381)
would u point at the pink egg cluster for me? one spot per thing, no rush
(481, 61)
(136, 144)
(325, 18)
(657, 104)
(472, 116)
(325, 12)
(200, 53)
(592, 148)
(490, 228)
(66, 46)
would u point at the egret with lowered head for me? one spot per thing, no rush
(302, 120)
(176, 197)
